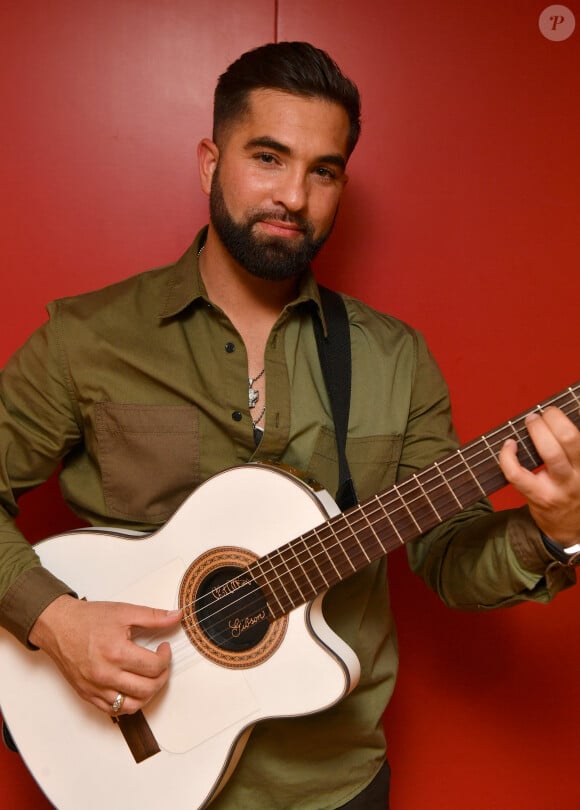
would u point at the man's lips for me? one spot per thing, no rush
(275, 227)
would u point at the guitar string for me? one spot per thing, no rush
(383, 506)
(381, 509)
(257, 590)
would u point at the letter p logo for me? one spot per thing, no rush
(557, 23)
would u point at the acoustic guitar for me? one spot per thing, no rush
(253, 643)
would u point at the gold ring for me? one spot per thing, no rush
(117, 704)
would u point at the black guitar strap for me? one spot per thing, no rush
(335, 361)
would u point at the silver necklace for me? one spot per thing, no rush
(255, 422)
(253, 395)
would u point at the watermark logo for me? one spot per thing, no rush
(557, 23)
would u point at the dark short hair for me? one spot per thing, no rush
(292, 67)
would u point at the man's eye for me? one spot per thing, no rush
(266, 157)
(325, 173)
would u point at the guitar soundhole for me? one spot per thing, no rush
(231, 609)
(226, 615)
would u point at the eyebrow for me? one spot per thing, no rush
(271, 143)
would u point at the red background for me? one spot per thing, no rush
(461, 216)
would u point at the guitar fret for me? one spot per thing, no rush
(359, 545)
(490, 448)
(521, 441)
(449, 487)
(427, 498)
(371, 527)
(481, 456)
(315, 563)
(390, 520)
(430, 499)
(367, 540)
(310, 589)
(265, 583)
(340, 546)
(295, 572)
(311, 564)
(470, 471)
(427, 494)
(330, 556)
(323, 553)
(372, 546)
(490, 475)
(286, 579)
(411, 515)
(345, 539)
(409, 492)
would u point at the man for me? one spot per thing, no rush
(212, 362)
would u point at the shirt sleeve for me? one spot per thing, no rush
(37, 427)
(478, 559)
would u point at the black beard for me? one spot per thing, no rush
(271, 258)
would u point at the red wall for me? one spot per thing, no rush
(461, 216)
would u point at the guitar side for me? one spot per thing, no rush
(202, 719)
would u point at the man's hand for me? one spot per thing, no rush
(91, 643)
(552, 493)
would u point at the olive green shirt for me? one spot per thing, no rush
(140, 391)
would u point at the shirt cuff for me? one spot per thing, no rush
(25, 600)
(532, 554)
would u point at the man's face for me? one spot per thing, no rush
(276, 187)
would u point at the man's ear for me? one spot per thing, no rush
(207, 160)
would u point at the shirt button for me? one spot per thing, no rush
(237, 416)
(230, 347)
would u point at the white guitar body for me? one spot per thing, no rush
(203, 718)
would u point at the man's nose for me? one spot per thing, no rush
(291, 191)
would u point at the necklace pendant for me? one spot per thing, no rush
(253, 397)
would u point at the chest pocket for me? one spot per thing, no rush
(373, 462)
(149, 458)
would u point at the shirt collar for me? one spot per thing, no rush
(185, 285)
(309, 296)
(184, 282)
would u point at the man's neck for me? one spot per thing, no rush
(252, 304)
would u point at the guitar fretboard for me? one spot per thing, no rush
(308, 565)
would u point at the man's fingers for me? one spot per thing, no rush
(515, 474)
(566, 432)
(147, 617)
(557, 441)
(547, 433)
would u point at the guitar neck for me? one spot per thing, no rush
(308, 565)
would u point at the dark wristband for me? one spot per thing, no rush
(567, 555)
